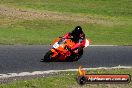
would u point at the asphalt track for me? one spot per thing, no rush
(15, 59)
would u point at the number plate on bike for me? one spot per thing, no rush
(56, 45)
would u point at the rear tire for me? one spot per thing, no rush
(79, 55)
(70, 58)
(74, 56)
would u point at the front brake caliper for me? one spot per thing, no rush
(54, 53)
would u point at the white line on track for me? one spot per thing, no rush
(53, 71)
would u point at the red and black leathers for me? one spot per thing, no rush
(79, 39)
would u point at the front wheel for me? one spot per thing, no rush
(48, 57)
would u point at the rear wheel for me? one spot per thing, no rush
(79, 55)
(74, 56)
(70, 58)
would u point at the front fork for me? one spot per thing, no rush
(54, 53)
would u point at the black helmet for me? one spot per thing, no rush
(77, 30)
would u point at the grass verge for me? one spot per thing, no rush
(100, 7)
(45, 31)
(40, 22)
(68, 80)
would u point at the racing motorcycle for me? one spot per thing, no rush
(61, 52)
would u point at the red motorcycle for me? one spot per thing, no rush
(60, 50)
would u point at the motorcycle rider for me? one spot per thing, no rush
(78, 37)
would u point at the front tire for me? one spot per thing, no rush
(48, 57)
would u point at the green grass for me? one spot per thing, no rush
(112, 21)
(48, 82)
(68, 80)
(45, 31)
(101, 7)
